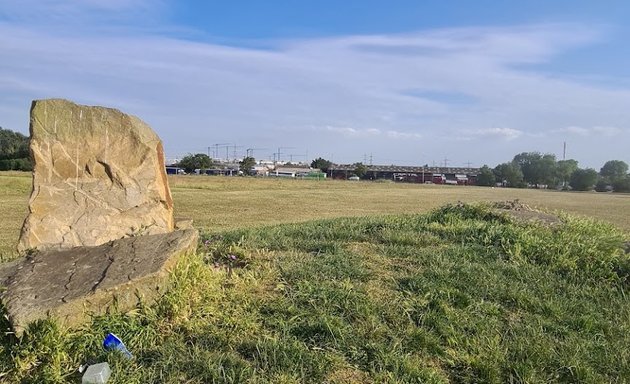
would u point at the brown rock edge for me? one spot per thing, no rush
(68, 285)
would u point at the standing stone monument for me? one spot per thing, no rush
(100, 227)
(99, 175)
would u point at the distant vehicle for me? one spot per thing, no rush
(281, 174)
(354, 178)
(439, 178)
(175, 171)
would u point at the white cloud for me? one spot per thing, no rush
(592, 131)
(369, 132)
(581, 131)
(345, 131)
(55, 12)
(607, 131)
(198, 93)
(501, 133)
(403, 135)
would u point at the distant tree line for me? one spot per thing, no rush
(201, 161)
(360, 169)
(14, 153)
(527, 169)
(544, 171)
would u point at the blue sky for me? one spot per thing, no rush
(400, 82)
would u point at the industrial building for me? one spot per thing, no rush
(409, 174)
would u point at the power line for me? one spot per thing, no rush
(215, 154)
(234, 151)
(280, 151)
(294, 154)
(250, 151)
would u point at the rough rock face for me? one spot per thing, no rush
(99, 176)
(69, 284)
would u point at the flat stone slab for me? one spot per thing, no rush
(70, 284)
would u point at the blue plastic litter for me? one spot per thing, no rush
(113, 343)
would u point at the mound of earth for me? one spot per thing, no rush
(524, 212)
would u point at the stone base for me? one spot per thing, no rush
(68, 285)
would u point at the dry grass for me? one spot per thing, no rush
(218, 203)
(15, 188)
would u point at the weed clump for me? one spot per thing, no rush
(580, 247)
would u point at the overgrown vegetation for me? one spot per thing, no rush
(463, 294)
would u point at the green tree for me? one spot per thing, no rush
(322, 164)
(16, 165)
(583, 179)
(613, 170)
(621, 184)
(198, 161)
(537, 168)
(360, 169)
(486, 177)
(602, 185)
(13, 145)
(14, 153)
(509, 174)
(564, 170)
(246, 165)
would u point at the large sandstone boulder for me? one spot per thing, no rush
(99, 175)
(70, 284)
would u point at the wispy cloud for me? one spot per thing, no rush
(607, 131)
(403, 135)
(352, 132)
(592, 131)
(501, 133)
(370, 132)
(574, 130)
(196, 93)
(56, 13)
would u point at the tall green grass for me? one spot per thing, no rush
(463, 294)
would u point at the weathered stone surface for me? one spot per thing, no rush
(69, 284)
(183, 223)
(99, 176)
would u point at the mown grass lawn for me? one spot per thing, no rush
(461, 295)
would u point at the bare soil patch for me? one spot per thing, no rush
(523, 212)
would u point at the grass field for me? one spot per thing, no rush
(356, 282)
(220, 203)
(459, 295)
